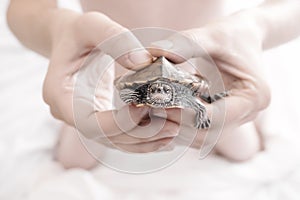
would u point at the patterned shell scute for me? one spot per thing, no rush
(160, 69)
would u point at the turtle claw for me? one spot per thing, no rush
(206, 124)
(203, 124)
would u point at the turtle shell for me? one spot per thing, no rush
(161, 69)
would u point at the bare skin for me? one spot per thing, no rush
(65, 37)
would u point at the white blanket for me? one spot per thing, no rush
(28, 135)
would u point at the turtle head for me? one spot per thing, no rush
(160, 94)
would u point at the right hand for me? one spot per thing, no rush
(234, 45)
(74, 37)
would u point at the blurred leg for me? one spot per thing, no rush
(241, 144)
(70, 152)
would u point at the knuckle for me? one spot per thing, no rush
(262, 93)
(87, 18)
(266, 95)
(191, 35)
(94, 22)
(171, 127)
(142, 149)
(55, 113)
(266, 99)
(113, 29)
(46, 92)
(124, 60)
(49, 99)
(165, 142)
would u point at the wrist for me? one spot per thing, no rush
(253, 23)
(277, 21)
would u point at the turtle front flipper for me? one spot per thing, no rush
(130, 96)
(201, 119)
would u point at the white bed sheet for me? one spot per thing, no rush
(28, 135)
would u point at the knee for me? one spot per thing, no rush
(75, 162)
(240, 155)
(70, 152)
(240, 145)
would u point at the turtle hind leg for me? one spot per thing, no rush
(219, 96)
(201, 119)
(206, 98)
(210, 99)
(203, 124)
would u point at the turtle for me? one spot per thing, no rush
(164, 85)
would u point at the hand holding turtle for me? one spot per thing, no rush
(74, 37)
(236, 52)
(235, 45)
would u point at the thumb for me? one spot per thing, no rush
(182, 46)
(127, 50)
(115, 40)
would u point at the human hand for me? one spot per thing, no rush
(235, 45)
(74, 38)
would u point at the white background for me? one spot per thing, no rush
(28, 135)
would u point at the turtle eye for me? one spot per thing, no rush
(167, 89)
(153, 88)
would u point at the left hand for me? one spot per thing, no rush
(235, 45)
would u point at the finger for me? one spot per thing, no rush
(246, 97)
(118, 121)
(113, 39)
(94, 124)
(182, 46)
(240, 107)
(185, 117)
(147, 147)
(127, 51)
(169, 130)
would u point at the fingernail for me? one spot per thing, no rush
(139, 111)
(171, 135)
(163, 44)
(159, 113)
(143, 110)
(166, 148)
(139, 58)
(160, 146)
